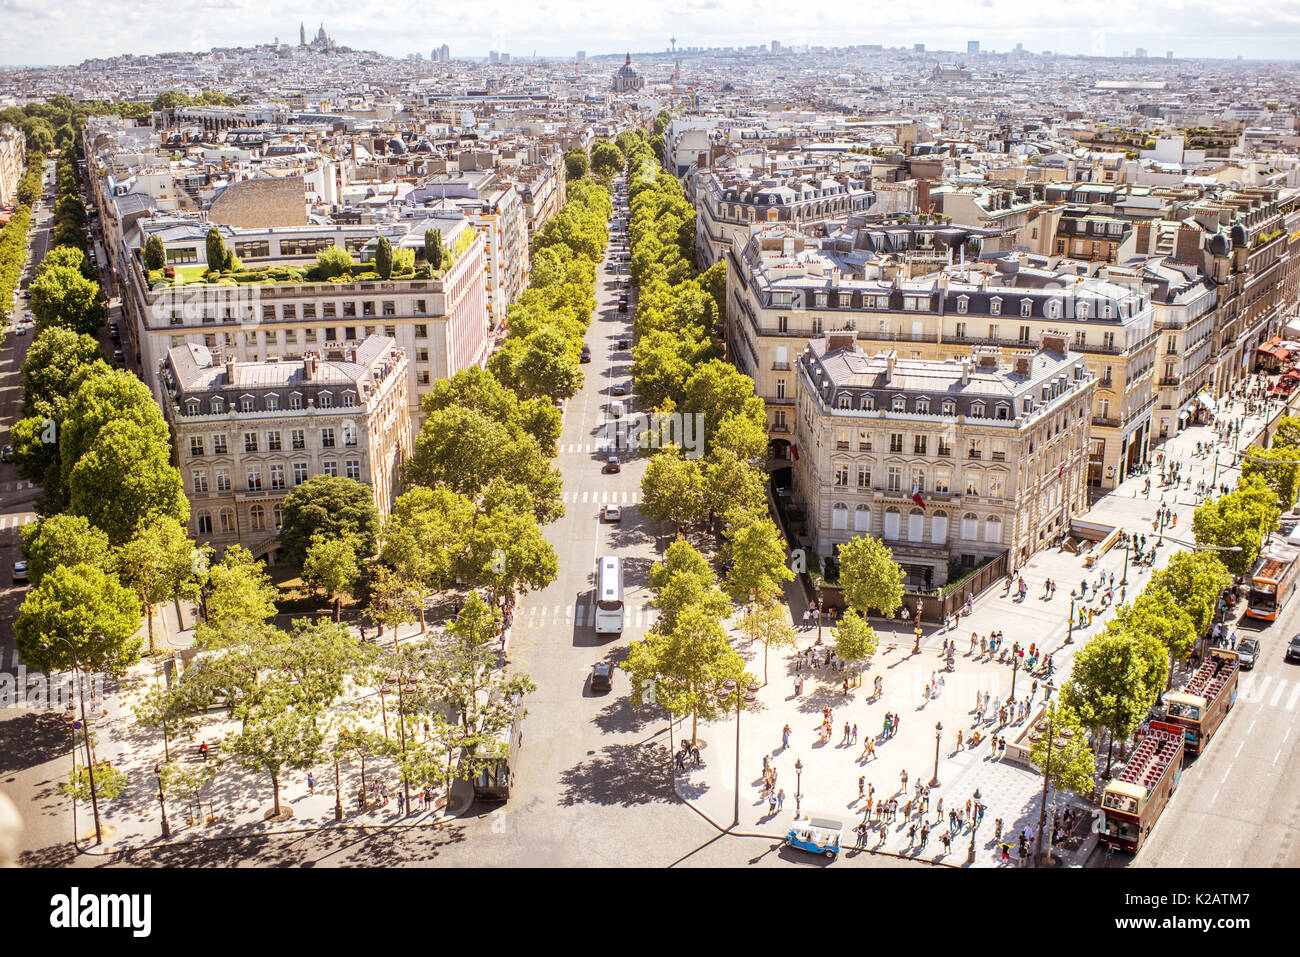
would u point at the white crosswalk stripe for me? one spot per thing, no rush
(1294, 699)
(1277, 694)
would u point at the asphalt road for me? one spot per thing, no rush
(1238, 803)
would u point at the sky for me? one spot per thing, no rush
(69, 31)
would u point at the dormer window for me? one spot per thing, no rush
(962, 303)
(922, 405)
(218, 405)
(977, 409)
(844, 401)
(1082, 310)
(1026, 307)
(900, 404)
(295, 401)
(867, 403)
(995, 306)
(326, 400)
(1106, 309)
(349, 399)
(1004, 410)
(192, 407)
(272, 403)
(246, 403)
(1053, 308)
(949, 407)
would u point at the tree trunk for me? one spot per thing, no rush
(338, 608)
(167, 755)
(765, 662)
(695, 723)
(148, 612)
(275, 783)
(422, 615)
(1110, 749)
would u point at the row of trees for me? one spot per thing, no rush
(1245, 516)
(56, 123)
(69, 208)
(13, 235)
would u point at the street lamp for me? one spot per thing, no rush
(744, 693)
(1124, 580)
(1015, 667)
(798, 785)
(819, 614)
(938, 731)
(1047, 774)
(85, 729)
(162, 802)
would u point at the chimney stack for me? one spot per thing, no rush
(1022, 365)
(230, 370)
(890, 358)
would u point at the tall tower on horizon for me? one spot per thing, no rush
(302, 34)
(673, 41)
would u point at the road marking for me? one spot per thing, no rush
(1257, 689)
(1287, 735)
(1295, 697)
(1252, 727)
(568, 612)
(625, 500)
(1226, 772)
(1239, 747)
(1278, 755)
(556, 613)
(584, 498)
(1277, 695)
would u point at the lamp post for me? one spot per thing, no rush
(1069, 631)
(1047, 774)
(798, 785)
(85, 729)
(819, 614)
(938, 731)
(1124, 580)
(162, 802)
(1015, 667)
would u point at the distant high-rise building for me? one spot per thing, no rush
(1169, 54)
(918, 47)
(972, 46)
(445, 51)
(1140, 53)
(494, 56)
(582, 56)
(1020, 48)
(505, 58)
(776, 46)
(302, 34)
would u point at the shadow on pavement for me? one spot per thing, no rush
(620, 774)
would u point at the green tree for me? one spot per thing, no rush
(717, 390)
(1158, 615)
(423, 537)
(216, 249)
(672, 490)
(64, 540)
(575, 163)
(769, 622)
(96, 615)
(276, 736)
(606, 159)
(434, 253)
(384, 258)
(158, 564)
(855, 639)
(869, 577)
(1195, 579)
(154, 254)
(684, 580)
(758, 569)
(332, 507)
(393, 600)
(1279, 466)
(333, 261)
(733, 487)
(1242, 518)
(238, 589)
(685, 667)
(1064, 753)
(171, 710)
(506, 551)
(62, 296)
(331, 565)
(542, 364)
(56, 363)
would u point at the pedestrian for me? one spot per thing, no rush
(806, 616)
(311, 783)
(870, 750)
(681, 760)
(1110, 854)
(903, 777)
(785, 737)
(400, 804)
(862, 786)
(1006, 853)
(958, 739)
(925, 835)
(854, 738)
(695, 754)
(771, 803)
(203, 750)
(911, 835)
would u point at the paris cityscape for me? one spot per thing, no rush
(465, 449)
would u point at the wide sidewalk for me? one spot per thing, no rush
(827, 784)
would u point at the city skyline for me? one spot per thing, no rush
(77, 31)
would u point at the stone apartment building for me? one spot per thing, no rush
(13, 152)
(441, 324)
(246, 433)
(949, 461)
(784, 290)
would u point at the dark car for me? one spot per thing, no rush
(619, 388)
(612, 464)
(602, 676)
(7, 454)
(586, 355)
(1293, 649)
(622, 305)
(118, 357)
(1247, 652)
(625, 343)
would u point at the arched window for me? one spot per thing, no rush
(970, 527)
(993, 529)
(839, 516)
(891, 523)
(257, 517)
(279, 518)
(915, 525)
(939, 528)
(862, 518)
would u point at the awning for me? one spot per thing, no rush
(1206, 402)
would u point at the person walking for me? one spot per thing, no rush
(785, 737)
(780, 799)
(853, 739)
(925, 835)
(902, 776)
(311, 783)
(870, 751)
(862, 786)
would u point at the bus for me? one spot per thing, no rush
(609, 596)
(1133, 800)
(1272, 582)
(1200, 707)
(494, 761)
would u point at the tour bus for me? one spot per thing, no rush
(1200, 707)
(496, 772)
(1273, 581)
(609, 596)
(1133, 800)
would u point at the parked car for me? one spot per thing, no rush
(118, 357)
(586, 355)
(1293, 649)
(20, 573)
(619, 388)
(622, 305)
(602, 676)
(7, 454)
(612, 513)
(1247, 650)
(612, 464)
(625, 343)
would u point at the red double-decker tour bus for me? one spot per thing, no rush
(1132, 802)
(1200, 707)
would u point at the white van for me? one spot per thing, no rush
(616, 409)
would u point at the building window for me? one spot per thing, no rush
(250, 441)
(919, 444)
(421, 331)
(896, 441)
(277, 477)
(993, 529)
(309, 310)
(972, 484)
(915, 525)
(299, 472)
(279, 517)
(864, 476)
(868, 403)
(894, 479)
(298, 439)
(273, 441)
(223, 480)
(257, 517)
(864, 441)
(329, 468)
(1026, 307)
(272, 403)
(349, 309)
(219, 444)
(841, 475)
(962, 302)
(970, 527)
(254, 477)
(839, 516)
(200, 481)
(196, 445)
(390, 308)
(327, 438)
(1024, 334)
(941, 480)
(226, 521)
(922, 406)
(420, 307)
(891, 523)
(995, 486)
(352, 468)
(349, 399)
(944, 446)
(939, 528)
(862, 518)
(326, 400)
(295, 402)
(995, 306)
(217, 406)
(845, 401)
(203, 523)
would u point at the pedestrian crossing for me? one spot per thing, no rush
(581, 615)
(589, 448)
(602, 498)
(1269, 691)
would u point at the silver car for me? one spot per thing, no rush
(1247, 652)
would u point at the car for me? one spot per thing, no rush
(602, 676)
(118, 357)
(559, 404)
(625, 343)
(1293, 650)
(612, 464)
(21, 330)
(622, 305)
(586, 355)
(612, 513)
(1247, 651)
(619, 388)
(20, 573)
(7, 454)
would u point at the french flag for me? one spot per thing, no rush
(794, 451)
